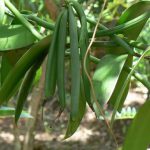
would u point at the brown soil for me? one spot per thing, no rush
(91, 135)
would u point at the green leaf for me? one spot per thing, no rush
(9, 59)
(133, 33)
(121, 80)
(9, 112)
(132, 12)
(2, 10)
(106, 76)
(6, 111)
(15, 37)
(21, 67)
(25, 114)
(15, 41)
(125, 113)
(138, 137)
(25, 87)
(123, 26)
(125, 84)
(5, 68)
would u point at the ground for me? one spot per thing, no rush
(91, 135)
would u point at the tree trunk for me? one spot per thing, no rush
(52, 8)
(33, 110)
(17, 142)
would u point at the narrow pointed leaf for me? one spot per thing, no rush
(25, 88)
(21, 67)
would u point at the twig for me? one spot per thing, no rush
(21, 18)
(88, 75)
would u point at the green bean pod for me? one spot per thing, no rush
(25, 88)
(75, 64)
(51, 71)
(83, 44)
(60, 59)
(21, 67)
(74, 124)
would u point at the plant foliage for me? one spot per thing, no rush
(24, 47)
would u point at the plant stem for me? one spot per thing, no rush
(20, 17)
(103, 44)
(41, 22)
(50, 26)
(136, 44)
(132, 43)
(92, 58)
(37, 20)
(116, 38)
(140, 78)
(122, 27)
